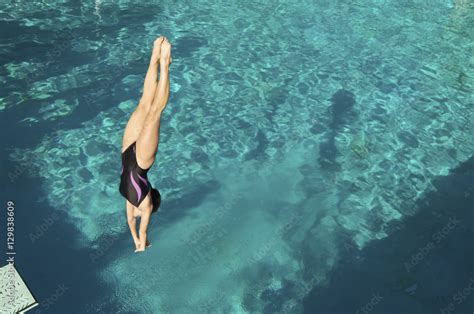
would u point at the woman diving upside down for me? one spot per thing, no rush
(140, 144)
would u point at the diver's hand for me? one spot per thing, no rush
(139, 248)
(137, 243)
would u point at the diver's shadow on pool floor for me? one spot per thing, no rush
(425, 265)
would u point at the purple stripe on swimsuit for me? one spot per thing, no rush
(137, 188)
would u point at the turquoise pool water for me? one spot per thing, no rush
(301, 143)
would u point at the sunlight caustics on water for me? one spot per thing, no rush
(295, 129)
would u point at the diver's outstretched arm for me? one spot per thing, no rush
(132, 224)
(144, 221)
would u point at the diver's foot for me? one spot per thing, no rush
(156, 53)
(165, 53)
(148, 244)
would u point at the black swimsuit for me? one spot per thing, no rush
(134, 184)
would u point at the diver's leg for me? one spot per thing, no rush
(147, 141)
(137, 119)
(151, 82)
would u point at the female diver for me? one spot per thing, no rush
(140, 144)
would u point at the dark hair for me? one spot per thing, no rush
(156, 199)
